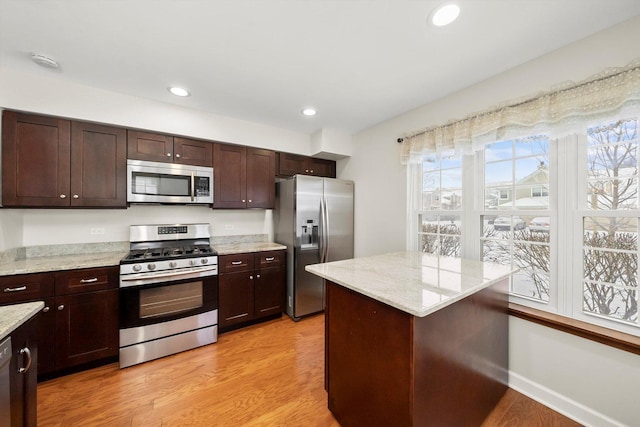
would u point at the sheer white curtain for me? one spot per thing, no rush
(558, 112)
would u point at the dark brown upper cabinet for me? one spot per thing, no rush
(168, 149)
(243, 177)
(295, 164)
(52, 162)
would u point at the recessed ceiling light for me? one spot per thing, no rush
(178, 91)
(444, 14)
(309, 112)
(44, 61)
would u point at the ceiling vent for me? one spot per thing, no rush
(44, 61)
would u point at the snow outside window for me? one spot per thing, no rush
(517, 231)
(439, 209)
(608, 219)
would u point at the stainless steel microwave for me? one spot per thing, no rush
(154, 182)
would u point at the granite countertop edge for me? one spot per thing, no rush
(15, 315)
(239, 248)
(353, 275)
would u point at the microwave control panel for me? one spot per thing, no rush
(202, 186)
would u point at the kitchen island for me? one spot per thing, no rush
(414, 339)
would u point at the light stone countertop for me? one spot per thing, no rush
(247, 247)
(61, 262)
(414, 282)
(12, 316)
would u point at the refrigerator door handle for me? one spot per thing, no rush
(322, 231)
(326, 225)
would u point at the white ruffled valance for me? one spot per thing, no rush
(563, 110)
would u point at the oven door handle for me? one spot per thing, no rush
(174, 275)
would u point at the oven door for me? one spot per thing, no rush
(162, 302)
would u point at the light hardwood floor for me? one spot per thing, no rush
(265, 375)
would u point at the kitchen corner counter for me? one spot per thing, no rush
(247, 247)
(61, 262)
(12, 316)
(414, 282)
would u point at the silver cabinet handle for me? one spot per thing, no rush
(236, 262)
(243, 201)
(18, 289)
(251, 277)
(177, 156)
(311, 170)
(63, 196)
(271, 258)
(75, 196)
(92, 280)
(61, 307)
(258, 276)
(26, 352)
(168, 154)
(46, 309)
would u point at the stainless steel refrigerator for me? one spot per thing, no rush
(314, 219)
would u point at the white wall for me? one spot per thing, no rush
(381, 223)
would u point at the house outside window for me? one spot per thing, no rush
(519, 167)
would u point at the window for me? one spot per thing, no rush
(508, 237)
(438, 214)
(551, 186)
(609, 222)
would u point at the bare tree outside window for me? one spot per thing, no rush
(610, 242)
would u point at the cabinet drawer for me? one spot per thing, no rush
(26, 287)
(86, 280)
(270, 258)
(237, 262)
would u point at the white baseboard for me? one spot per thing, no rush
(560, 403)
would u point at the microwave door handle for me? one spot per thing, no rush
(193, 186)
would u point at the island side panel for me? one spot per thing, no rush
(368, 348)
(462, 359)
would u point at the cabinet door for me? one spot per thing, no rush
(235, 298)
(291, 164)
(322, 167)
(261, 178)
(24, 347)
(98, 166)
(46, 337)
(149, 146)
(230, 176)
(269, 291)
(192, 152)
(35, 160)
(86, 327)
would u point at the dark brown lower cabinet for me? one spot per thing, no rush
(251, 287)
(79, 321)
(23, 376)
(85, 327)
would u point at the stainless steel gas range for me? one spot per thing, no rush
(168, 292)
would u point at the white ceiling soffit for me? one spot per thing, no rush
(358, 62)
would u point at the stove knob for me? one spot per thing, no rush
(204, 261)
(151, 266)
(173, 264)
(137, 267)
(192, 262)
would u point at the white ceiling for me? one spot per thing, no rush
(358, 62)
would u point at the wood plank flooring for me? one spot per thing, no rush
(265, 375)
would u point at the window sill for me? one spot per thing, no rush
(605, 336)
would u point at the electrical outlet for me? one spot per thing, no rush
(228, 227)
(96, 231)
